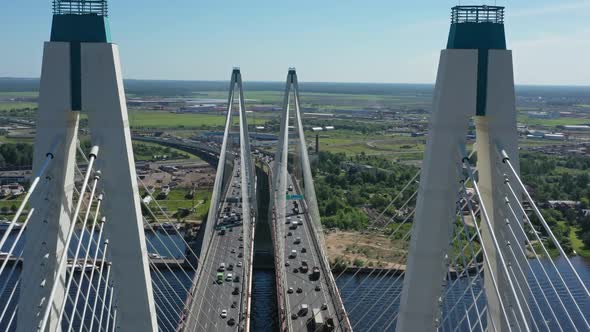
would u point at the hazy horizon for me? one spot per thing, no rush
(330, 41)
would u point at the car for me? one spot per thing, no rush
(303, 250)
(294, 316)
(295, 270)
(287, 263)
(241, 246)
(239, 264)
(240, 238)
(293, 253)
(230, 267)
(229, 277)
(318, 288)
(233, 251)
(240, 255)
(231, 322)
(325, 306)
(237, 279)
(221, 267)
(236, 291)
(220, 276)
(290, 290)
(234, 305)
(289, 234)
(223, 313)
(290, 188)
(297, 240)
(299, 290)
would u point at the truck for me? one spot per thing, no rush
(315, 274)
(317, 321)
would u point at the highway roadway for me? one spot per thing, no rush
(227, 247)
(300, 288)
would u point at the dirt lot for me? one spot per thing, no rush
(375, 250)
(200, 174)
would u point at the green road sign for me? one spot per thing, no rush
(294, 197)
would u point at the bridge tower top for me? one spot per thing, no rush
(477, 27)
(80, 21)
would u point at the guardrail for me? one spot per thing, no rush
(477, 14)
(278, 267)
(80, 7)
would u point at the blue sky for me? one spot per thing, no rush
(326, 40)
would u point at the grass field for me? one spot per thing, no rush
(177, 200)
(16, 106)
(552, 122)
(392, 147)
(577, 244)
(149, 157)
(19, 94)
(156, 119)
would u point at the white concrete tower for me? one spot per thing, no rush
(474, 78)
(81, 73)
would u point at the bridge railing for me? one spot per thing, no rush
(279, 281)
(477, 14)
(80, 7)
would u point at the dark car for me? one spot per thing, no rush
(236, 291)
(231, 322)
(299, 290)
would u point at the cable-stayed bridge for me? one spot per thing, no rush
(474, 262)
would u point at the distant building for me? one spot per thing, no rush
(555, 137)
(562, 205)
(12, 189)
(543, 115)
(576, 127)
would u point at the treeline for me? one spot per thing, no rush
(344, 185)
(560, 178)
(557, 178)
(156, 152)
(16, 155)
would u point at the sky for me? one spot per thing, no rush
(385, 41)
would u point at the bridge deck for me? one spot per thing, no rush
(301, 287)
(212, 295)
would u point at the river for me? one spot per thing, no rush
(368, 299)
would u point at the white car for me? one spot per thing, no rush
(239, 264)
(223, 313)
(229, 277)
